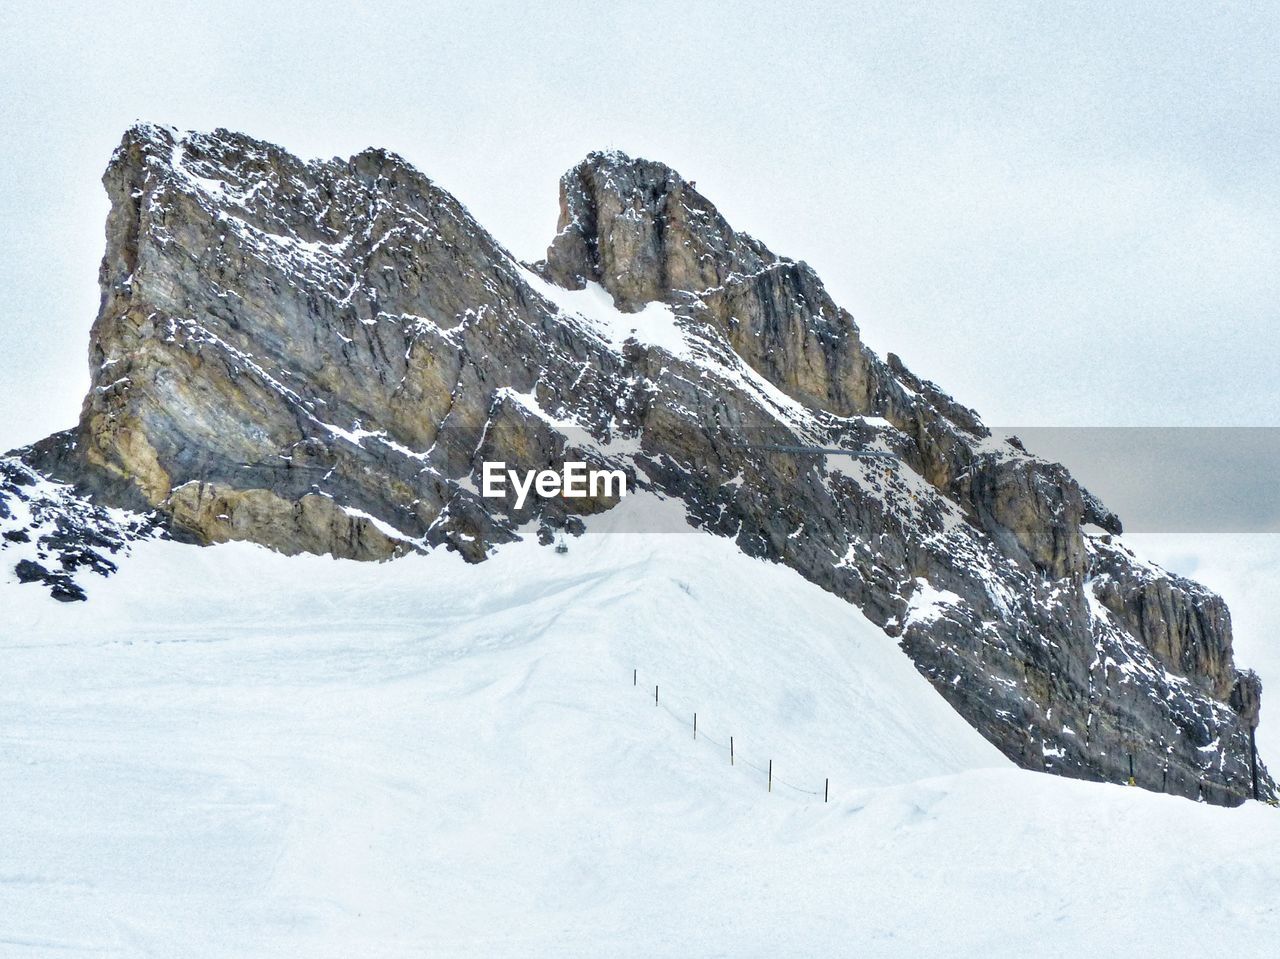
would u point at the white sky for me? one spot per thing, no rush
(1065, 214)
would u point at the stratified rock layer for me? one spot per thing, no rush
(319, 356)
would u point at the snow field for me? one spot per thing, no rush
(229, 753)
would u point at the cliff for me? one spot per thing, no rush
(319, 356)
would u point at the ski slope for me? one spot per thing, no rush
(230, 753)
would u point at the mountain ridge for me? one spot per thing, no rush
(317, 356)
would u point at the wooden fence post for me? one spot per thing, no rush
(695, 725)
(730, 750)
(770, 775)
(826, 791)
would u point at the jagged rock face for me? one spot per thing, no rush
(1179, 620)
(268, 323)
(319, 356)
(646, 235)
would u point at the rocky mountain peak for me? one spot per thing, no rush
(644, 233)
(320, 356)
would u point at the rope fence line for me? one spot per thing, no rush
(690, 721)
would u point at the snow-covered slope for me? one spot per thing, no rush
(229, 753)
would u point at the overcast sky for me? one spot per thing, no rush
(1064, 213)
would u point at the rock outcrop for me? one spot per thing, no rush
(319, 356)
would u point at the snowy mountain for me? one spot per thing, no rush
(319, 357)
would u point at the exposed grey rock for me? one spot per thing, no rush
(319, 356)
(1246, 697)
(1185, 625)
